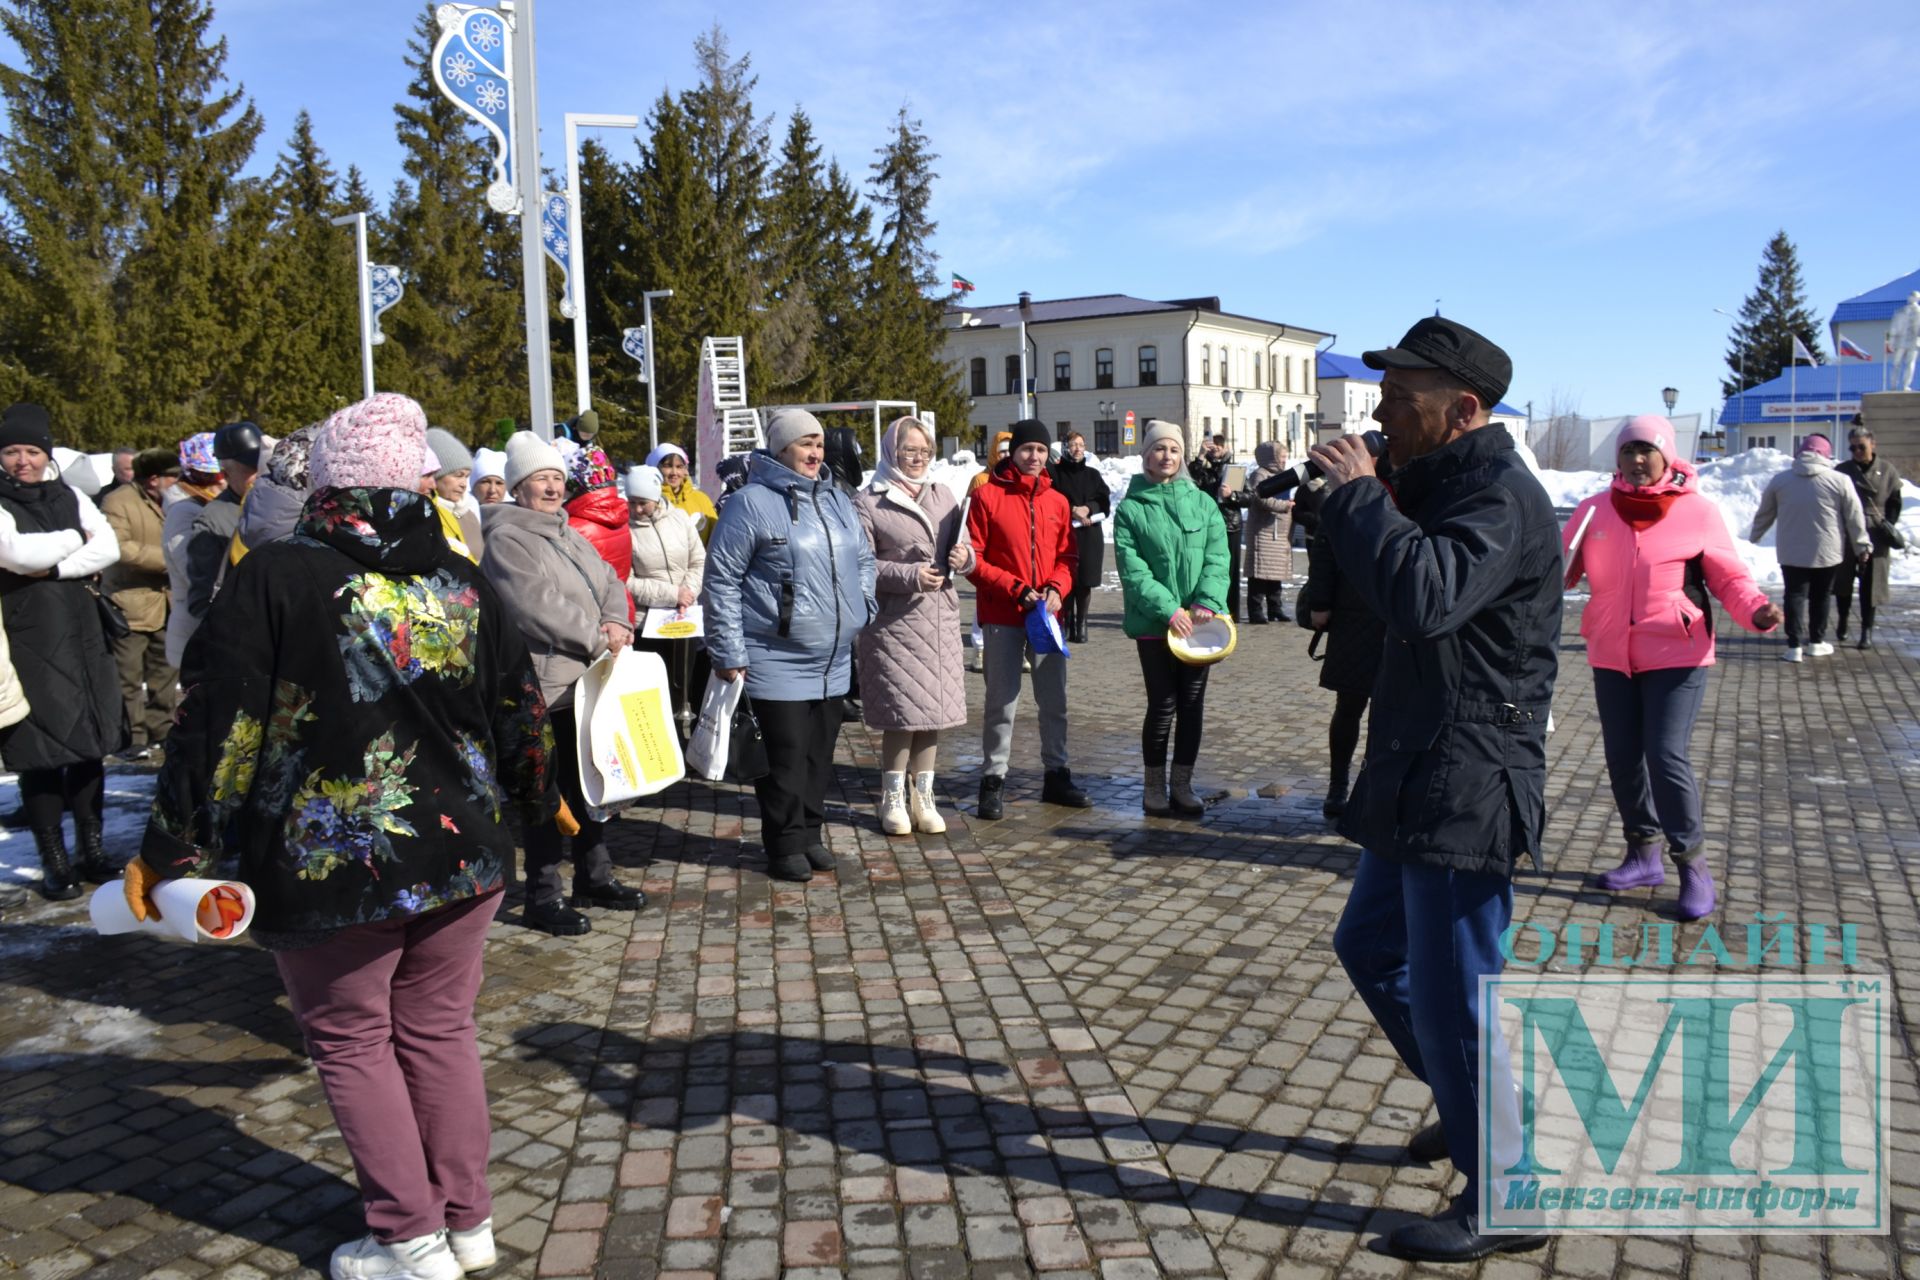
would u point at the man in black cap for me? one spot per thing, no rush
(1461, 559)
(237, 447)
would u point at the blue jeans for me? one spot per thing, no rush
(1646, 721)
(1416, 941)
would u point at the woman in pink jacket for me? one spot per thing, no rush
(1652, 546)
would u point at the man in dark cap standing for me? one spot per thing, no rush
(1461, 559)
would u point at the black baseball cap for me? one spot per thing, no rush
(1438, 343)
(239, 442)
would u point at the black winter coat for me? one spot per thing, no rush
(1465, 572)
(1210, 475)
(59, 648)
(1355, 633)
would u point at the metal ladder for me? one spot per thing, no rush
(742, 427)
(729, 364)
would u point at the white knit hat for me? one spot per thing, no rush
(489, 462)
(528, 453)
(644, 481)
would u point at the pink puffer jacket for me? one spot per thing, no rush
(1640, 618)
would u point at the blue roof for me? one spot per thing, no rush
(1333, 365)
(1877, 304)
(1812, 384)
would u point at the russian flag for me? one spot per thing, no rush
(1846, 347)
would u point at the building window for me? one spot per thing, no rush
(1062, 371)
(1103, 368)
(1256, 429)
(1149, 366)
(1013, 375)
(1206, 426)
(1206, 366)
(1106, 437)
(1306, 374)
(977, 375)
(1256, 371)
(1286, 371)
(1273, 372)
(1060, 430)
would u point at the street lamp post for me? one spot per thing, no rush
(1026, 314)
(653, 411)
(1671, 396)
(1231, 399)
(359, 221)
(577, 120)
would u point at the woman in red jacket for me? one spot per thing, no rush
(595, 508)
(1023, 559)
(1652, 546)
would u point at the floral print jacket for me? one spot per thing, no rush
(364, 709)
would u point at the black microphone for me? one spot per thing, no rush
(1301, 472)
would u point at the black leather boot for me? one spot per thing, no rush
(56, 875)
(1336, 802)
(95, 866)
(1057, 787)
(992, 800)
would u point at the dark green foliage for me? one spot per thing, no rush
(1773, 314)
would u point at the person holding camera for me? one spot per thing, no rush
(1460, 559)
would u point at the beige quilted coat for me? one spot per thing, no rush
(912, 673)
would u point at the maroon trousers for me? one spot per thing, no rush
(387, 1010)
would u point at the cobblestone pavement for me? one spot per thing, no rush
(1071, 1043)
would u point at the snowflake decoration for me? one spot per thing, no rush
(460, 70)
(491, 98)
(485, 35)
(556, 238)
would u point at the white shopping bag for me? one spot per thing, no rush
(707, 749)
(624, 716)
(189, 910)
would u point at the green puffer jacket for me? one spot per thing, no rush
(1172, 549)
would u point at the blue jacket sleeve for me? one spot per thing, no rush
(1424, 585)
(735, 539)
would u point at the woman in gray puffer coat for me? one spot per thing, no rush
(1269, 539)
(570, 606)
(912, 673)
(789, 584)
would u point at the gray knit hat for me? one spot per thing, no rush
(452, 455)
(784, 426)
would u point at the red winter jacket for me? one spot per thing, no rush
(600, 516)
(1022, 534)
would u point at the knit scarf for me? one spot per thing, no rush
(204, 492)
(1643, 506)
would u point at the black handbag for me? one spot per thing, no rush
(113, 620)
(746, 748)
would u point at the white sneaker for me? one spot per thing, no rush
(1791, 655)
(1820, 650)
(892, 808)
(473, 1248)
(421, 1258)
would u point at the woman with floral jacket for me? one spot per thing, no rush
(363, 714)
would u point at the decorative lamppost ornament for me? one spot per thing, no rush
(473, 67)
(634, 343)
(556, 236)
(384, 287)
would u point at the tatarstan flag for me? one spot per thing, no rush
(961, 284)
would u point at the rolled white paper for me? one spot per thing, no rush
(179, 903)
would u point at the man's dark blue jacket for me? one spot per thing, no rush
(1461, 559)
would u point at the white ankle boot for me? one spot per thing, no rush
(893, 804)
(920, 804)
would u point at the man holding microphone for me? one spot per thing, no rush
(1460, 558)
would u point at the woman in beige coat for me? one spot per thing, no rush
(669, 566)
(1269, 540)
(912, 673)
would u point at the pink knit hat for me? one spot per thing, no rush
(376, 444)
(1648, 428)
(1817, 444)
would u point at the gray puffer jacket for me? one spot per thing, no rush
(1821, 523)
(559, 590)
(789, 584)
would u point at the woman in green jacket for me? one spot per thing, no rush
(1171, 546)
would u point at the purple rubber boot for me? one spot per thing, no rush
(1640, 870)
(1696, 889)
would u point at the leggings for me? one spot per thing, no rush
(1176, 701)
(1343, 731)
(47, 794)
(909, 750)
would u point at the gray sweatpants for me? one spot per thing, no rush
(1005, 648)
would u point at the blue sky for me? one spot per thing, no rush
(1583, 183)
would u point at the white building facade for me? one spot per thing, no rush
(1092, 361)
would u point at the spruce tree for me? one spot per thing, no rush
(455, 342)
(729, 151)
(1773, 315)
(671, 217)
(613, 284)
(902, 318)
